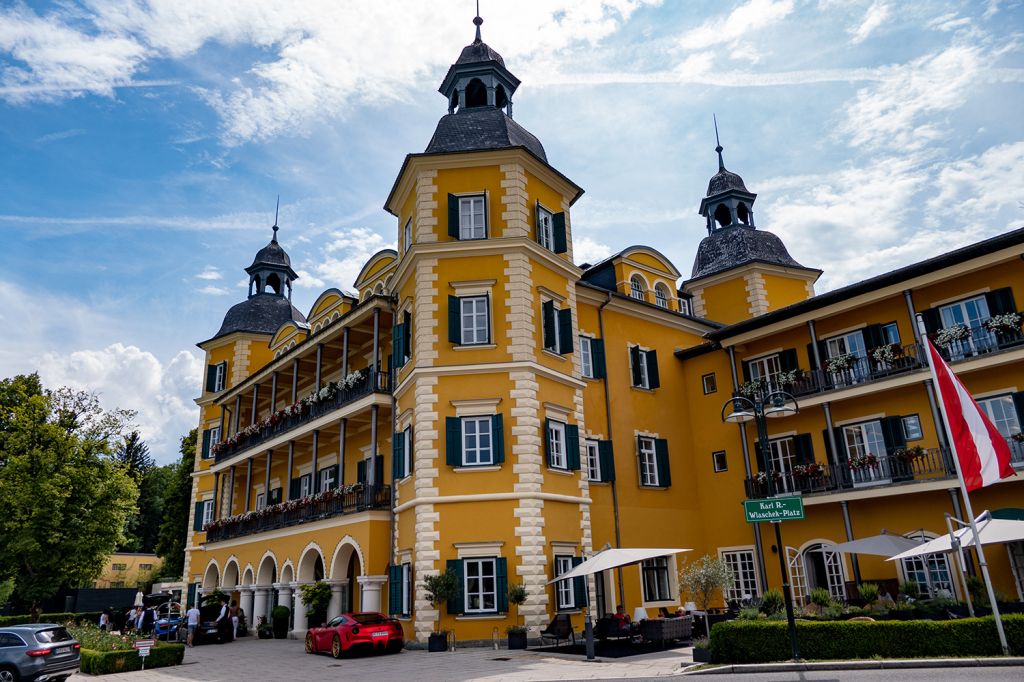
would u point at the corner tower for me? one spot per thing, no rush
(740, 271)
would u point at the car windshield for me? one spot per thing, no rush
(368, 618)
(54, 635)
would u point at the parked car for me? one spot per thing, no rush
(38, 652)
(349, 631)
(207, 632)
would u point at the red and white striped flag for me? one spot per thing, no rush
(983, 453)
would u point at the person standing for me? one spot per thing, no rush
(105, 620)
(223, 623)
(233, 614)
(192, 616)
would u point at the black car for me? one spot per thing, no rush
(39, 652)
(207, 632)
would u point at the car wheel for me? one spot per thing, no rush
(8, 674)
(336, 650)
(309, 644)
(394, 646)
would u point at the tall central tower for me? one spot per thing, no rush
(488, 389)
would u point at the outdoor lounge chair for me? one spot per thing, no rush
(663, 630)
(607, 628)
(558, 629)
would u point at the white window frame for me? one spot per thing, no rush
(406, 585)
(661, 295)
(593, 459)
(473, 230)
(648, 460)
(545, 229)
(937, 568)
(325, 476)
(557, 445)
(407, 234)
(564, 589)
(220, 377)
(484, 426)
(743, 562)
(406, 451)
(481, 593)
(1007, 423)
(207, 512)
(638, 293)
(714, 461)
(664, 570)
(684, 306)
(586, 357)
(645, 381)
(714, 383)
(919, 433)
(261, 501)
(214, 436)
(782, 456)
(850, 342)
(891, 338)
(305, 485)
(471, 335)
(764, 367)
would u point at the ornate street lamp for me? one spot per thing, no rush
(758, 408)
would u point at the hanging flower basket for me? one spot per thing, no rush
(1003, 324)
(863, 462)
(808, 470)
(909, 454)
(752, 388)
(950, 335)
(887, 354)
(840, 363)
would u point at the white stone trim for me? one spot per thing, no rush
(469, 550)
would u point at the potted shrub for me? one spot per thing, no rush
(316, 597)
(263, 629)
(702, 579)
(517, 594)
(279, 615)
(702, 650)
(440, 589)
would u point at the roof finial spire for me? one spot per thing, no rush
(277, 210)
(477, 20)
(718, 145)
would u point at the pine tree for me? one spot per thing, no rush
(177, 500)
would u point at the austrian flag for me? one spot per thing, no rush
(983, 454)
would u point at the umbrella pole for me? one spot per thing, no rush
(588, 629)
(928, 570)
(955, 544)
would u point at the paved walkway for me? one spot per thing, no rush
(270, 659)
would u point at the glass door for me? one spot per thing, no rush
(782, 463)
(970, 313)
(797, 575)
(849, 344)
(866, 454)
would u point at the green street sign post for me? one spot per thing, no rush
(774, 509)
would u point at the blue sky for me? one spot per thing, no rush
(142, 145)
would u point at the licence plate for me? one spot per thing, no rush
(380, 634)
(63, 650)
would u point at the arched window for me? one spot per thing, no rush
(476, 94)
(742, 213)
(722, 215)
(638, 289)
(661, 295)
(500, 98)
(274, 282)
(931, 572)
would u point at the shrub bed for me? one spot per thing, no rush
(760, 641)
(65, 617)
(106, 662)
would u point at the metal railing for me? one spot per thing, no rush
(294, 416)
(304, 510)
(981, 341)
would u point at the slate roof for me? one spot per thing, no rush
(481, 128)
(736, 245)
(725, 180)
(479, 51)
(272, 254)
(261, 314)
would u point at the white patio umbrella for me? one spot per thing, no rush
(992, 531)
(885, 545)
(613, 558)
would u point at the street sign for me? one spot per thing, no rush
(774, 509)
(142, 647)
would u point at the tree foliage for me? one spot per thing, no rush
(133, 454)
(63, 500)
(173, 532)
(702, 578)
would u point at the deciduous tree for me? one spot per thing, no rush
(177, 505)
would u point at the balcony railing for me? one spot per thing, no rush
(291, 417)
(981, 341)
(335, 502)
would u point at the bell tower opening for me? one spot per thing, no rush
(274, 282)
(722, 216)
(500, 98)
(743, 213)
(476, 94)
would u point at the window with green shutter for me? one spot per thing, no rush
(457, 604)
(572, 446)
(643, 365)
(474, 441)
(549, 324)
(661, 453)
(607, 457)
(395, 590)
(206, 444)
(197, 520)
(558, 227)
(565, 344)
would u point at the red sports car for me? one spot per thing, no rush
(355, 630)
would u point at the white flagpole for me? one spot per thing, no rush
(967, 498)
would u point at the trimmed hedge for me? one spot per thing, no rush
(106, 662)
(60, 618)
(761, 641)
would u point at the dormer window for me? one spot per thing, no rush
(661, 295)
(637, 288)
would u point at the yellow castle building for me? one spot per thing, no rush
(484, 405)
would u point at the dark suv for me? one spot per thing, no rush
(38, 652)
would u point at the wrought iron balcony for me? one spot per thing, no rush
(332, 397)
(981, 341)
(330, 503)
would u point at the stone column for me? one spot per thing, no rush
(245, 600)
(369, 589)
(337, 605)
(299, 624)
(259, 605)
(284, 594)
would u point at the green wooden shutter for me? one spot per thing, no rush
(1000, 301)
(275, 495)
(653, 379)
(810, 356)
(211, 378)
(605, 453)
(453, 441)
(1018, 403)
(558, 229)
(454, 320)
(378, 470)
(395, 590)
(579, 586)
(398, 344)
(457, 604)
(397, 447)
(572, 446)
(197, 522)
(536, 222)
(547, 309)
(932, 320)
(745, 366)
(547, 441)
(634, 365)
(498, 438)
(804, 448)
(453, 216)
(597, 358)
(206, 444)
(407, 331)
(411, 452)
(892, 432)
(788, 360)
(759, 456)
(501, 584)
(661, 457)
(360, 473)
(564, 331)
(873, 336)
(293, 489)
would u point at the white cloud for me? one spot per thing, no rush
(983, 192)
(128, 377)
(876, 15)
(754, 15)
(210, 273)
(588, 250)
(211, 290)
(345, 255)
(59, 135)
